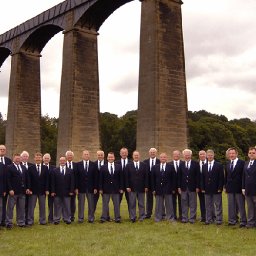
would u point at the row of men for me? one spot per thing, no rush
(169, 182)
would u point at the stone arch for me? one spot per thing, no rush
(4, 54)
(37, 40)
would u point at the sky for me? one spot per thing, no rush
(220, 55)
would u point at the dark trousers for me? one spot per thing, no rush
(176, 199)
(4, 210)
(126, 197)
(73, 207)
(202, 205)
(50, 208)
(149, 203)
(26, 208)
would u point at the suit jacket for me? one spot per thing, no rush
(137, 181)
(111, 184)
(74, 170)
(147, 163)
(119, 162)
(87, 181)
(7, 161)
(163, 184)
(96, 163)
(249, 179)
(16, 180)
(50, 172)
(233, 180)
(189, 178)
(2, 179)
(38, 184)
(214, 180)
(62, 184)
(176, 172)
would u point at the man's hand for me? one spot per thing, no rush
(95, 191)
(11, 192)
(128, 190)
(243, 191)
(179, 190)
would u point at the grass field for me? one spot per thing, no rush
(140, 238)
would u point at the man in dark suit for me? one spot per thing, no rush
(136, 184)
(176, 199)
(73, 166)
(86, 186)
(110, 186)
(212, 186)
(188, 186)
(163, 181)
(123, 162)
(24, 161)
(5, 161)
(2, 187)
(38, 185)
(99, 162)
(46, 162)
(233, 187)
(150, 162)
(62, 188)
(17, 189)
(202, 162)
(249, 187)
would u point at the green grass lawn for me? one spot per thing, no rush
(140, 238)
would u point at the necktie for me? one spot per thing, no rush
(232, 166)
(176, 166)
(86, 166)
(19, 168)
(38, 168)
(25, 164)
(162, 169)
(187, 165)
(62, 170)
(111, 170)
(210, 167)
(250, 164)
(136, 167)
(123, 163)
(69, 165)
(152, 164)
(2, 159)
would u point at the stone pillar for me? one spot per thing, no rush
(162, 106)
(24, 107)
(78, 127)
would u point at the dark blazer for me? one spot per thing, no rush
(87, 181)
(147, 163)
(96, 163)
(249, 179)
(233, 180)
(7, 161)
(62, 184)
(163, 184)
(214, 180)
(2, 179)
(74, 170)
(137, 181)
(111, 184)
(38, 184)
(16, 180)
(189, 178)
(176, 172)
(119, 162)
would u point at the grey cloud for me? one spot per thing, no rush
(126, 85)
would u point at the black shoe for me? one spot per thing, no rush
(147, 216)
(117, 221)
(42, 223)
(242, 226)
(9, 226)
(218, 223)
(133, 220)
(231, 224)
(68, 222)
(90, 221)
(22, 226)
(102, 221)
(56, 223)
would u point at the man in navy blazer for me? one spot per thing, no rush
(72, 166)
(5, 161)
(163, 183)
(110, 186)
(136, 184)
(17, 189)
(2, 187)
(249, 187)
(62, 188)
(233, 188)
(212, 187)
(150, 162)
(38, 185)
(99, 162)
(46, 162)
(86, 186)
(188, 186)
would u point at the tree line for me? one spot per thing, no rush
(206, 130)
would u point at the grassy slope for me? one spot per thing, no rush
(146, 238)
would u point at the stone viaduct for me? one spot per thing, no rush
(162, 101)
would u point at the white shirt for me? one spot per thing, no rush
(85, 164)
(187, 164)
(162, 166)
(109, 167)
(138, 164)
(154, 162)
(210, 164)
